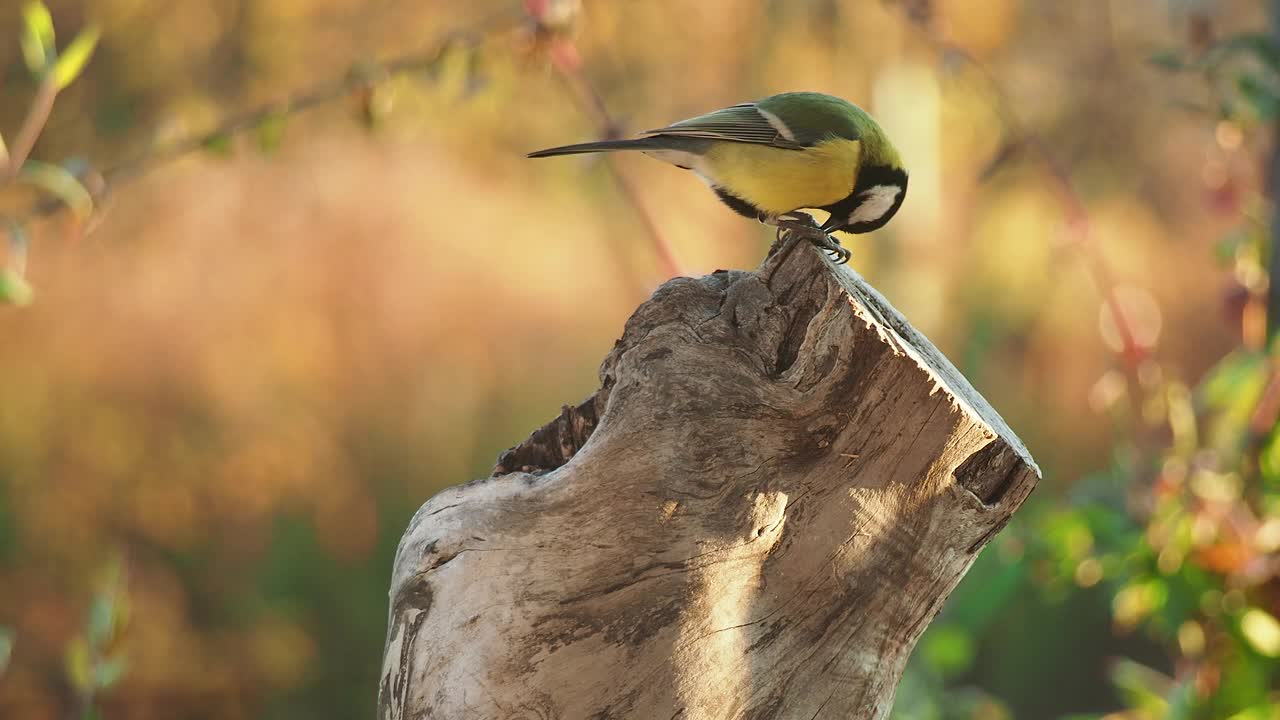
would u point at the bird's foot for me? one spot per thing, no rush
(839, 253)
(798, 218)
(803, 225)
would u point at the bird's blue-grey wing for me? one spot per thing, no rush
(745, 123)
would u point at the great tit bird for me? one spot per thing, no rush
(774, 157)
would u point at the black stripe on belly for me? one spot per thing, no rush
(738, 205)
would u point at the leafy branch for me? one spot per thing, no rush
(1190, 560)
(53, 71)
(81, 188)
(94, 660)
(268, 120)
(1242, 74)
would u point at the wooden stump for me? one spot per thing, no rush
(771, 495)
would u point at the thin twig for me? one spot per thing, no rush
(151, 159)
(29, 132)
(666, 256)
(316, 97)
(590, 102)
(155, 157)
(1075, 210)
(564, 58)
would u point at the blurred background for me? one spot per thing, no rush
(226, 387)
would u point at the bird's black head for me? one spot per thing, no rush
(874, 201)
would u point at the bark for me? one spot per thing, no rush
(771, 495)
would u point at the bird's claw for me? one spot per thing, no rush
(803, 225)
(839, 255)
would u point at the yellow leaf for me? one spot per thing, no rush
(14, 289)
(78, 665)
(37, 40)
(73, 59)
(60, 183)
(1262, 631)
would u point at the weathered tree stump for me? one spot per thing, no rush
(771, 495)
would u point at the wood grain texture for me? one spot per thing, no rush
(771, 495)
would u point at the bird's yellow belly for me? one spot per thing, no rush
(779, 181)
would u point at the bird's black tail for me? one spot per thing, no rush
(601, 146)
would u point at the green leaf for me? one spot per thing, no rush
(1182, 702)
(1269, 460)
(79, 665)
(995, 579)
(110, 671)
(19, 241)
(1259, 712)
(6, 647)
(1225, 249)
(1139, 600)
(72, 60)
(1240, 373)
(1262, 631)
(1259, 95)
(1143, 688)
(101, 620)
(110, 608)
(1226, 109)
(947, 648)
(1231, 391)
(217, 144)
(1259, 45)
(60, 183)
(1169, 60)
(38, 45)
(14, 289)
(269, 132)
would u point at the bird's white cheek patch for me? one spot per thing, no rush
(875, 203)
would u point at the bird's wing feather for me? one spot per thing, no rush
(740, 123)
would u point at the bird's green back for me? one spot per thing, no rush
(813, 117)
